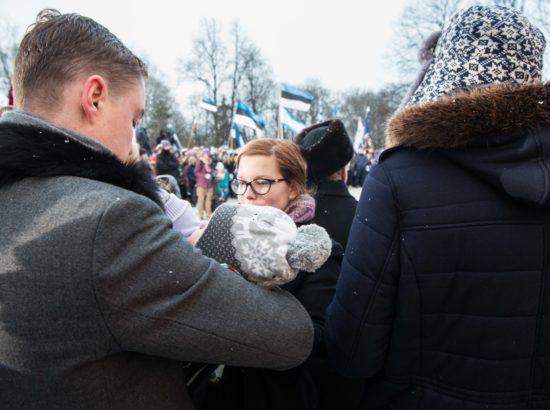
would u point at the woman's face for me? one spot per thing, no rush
(263, 166)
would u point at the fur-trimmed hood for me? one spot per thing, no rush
(33, 147)
(500, 133)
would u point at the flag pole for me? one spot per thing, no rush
(279, 126)
(233, 111)
(193, 128)
(366, 126)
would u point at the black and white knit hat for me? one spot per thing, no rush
(479, 46)
(263, 243)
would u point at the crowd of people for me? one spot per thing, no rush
(217, 169)
(202, 174)
(428, 293)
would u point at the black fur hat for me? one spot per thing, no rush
(326, 147)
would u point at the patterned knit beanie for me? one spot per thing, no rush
(263, 243)
(479, 46)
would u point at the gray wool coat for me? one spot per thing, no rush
(100, 300)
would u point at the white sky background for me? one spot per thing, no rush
(341, 43)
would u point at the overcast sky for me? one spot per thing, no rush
(341, 43)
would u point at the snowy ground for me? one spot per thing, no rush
(356, 192)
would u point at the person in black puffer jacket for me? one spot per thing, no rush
(442, 301)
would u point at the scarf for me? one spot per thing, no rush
(302, 209)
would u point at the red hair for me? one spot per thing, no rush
(287, 154)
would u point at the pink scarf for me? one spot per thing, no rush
(302, 209)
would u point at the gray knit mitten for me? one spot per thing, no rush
(309, 249)
(263, 243)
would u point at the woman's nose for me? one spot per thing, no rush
(249, 194)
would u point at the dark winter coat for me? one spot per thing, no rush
(443, 300)
(189, 172)
(100, 299)
(143, 139)
(167, 164)
(360, 165)
(335, 209)
(262, 389)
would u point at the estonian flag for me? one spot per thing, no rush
(289, 121)
(321, 113)
(245, 116)
(237, 136)
(295, 99)
(362, 131)
(208, 104)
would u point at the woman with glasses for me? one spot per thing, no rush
(273, 173)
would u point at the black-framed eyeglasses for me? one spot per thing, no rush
(259, 186)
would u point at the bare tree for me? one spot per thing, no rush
(418, 20)
(252, 77)
(422, 17)
(241, 62)
(382, 105)
(208, 65)
(228, 71)
(516, 4)
(258, 87)
(161, 108)
(240, 59)
(320, 103)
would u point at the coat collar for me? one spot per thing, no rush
(33, 147)
(471, 117)
(333, 188)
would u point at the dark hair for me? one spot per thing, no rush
(292, 165)
(59, 47)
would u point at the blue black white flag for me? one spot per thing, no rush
(358, 139)
(208, 104)
(237, 136)
(366, 123)
(295, 99)
(287, 120)
(245, 116)
(362, 131)
(321, 114)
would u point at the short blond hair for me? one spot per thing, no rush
(59, 47)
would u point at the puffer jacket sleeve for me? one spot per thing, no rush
(160, 296)
(359, 319)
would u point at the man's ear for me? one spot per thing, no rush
(344, 173)
(94, 93)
